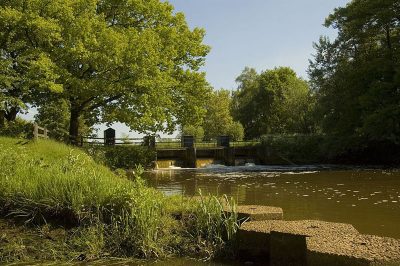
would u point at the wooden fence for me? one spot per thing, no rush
(39, 132)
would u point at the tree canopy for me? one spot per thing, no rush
(356, 77)
(272, 102)
(218, 120)
(132, 61)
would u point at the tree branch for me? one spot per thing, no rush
(104, 102)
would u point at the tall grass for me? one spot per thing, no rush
(47, 182)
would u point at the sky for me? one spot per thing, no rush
(262, 34)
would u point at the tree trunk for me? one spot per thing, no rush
(11, 115)
(74, 126)
(2, 118)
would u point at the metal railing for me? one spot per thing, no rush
(164, 144)
(117, 141)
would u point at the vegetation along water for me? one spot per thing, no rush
(56, 198)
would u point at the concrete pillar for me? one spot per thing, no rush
(191, 157)
(229, 154)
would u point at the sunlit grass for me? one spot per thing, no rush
(47, 182)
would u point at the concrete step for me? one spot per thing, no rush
(313, 243)
(259, 213)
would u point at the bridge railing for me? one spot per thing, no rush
(87, 140)
(171, 143)
(244, 143)
(168, 144)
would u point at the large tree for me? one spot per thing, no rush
(133, 61)
(218, 120)
(273, 102)
(357, 76)
(25, 69)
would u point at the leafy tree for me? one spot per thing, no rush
(218, 120)
(19, 128)
(195, 131)
(244, 107)
(235, 131)
(24, 68)
(273, 102)
(356, 77)
(132, 61)
(55, 117)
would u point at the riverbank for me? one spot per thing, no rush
(59, 201)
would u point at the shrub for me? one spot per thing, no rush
(295, 148)
(126, 157)
(196, 131)
(19, 128)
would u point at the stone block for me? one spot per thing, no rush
(259, 213)
(287, 249)
(353, 249)
(315, 243)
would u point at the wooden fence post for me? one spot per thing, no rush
(35, 131)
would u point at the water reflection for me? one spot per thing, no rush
(368, 199)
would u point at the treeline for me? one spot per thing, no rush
(356, 81)
(349, 109)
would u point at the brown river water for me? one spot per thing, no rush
(367, 199)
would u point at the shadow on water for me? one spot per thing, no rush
(367, 198)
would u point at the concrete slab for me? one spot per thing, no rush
(314, 243)
(283, 242)
(259, 213)
(303, 227)
(353, 249)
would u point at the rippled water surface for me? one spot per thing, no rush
(368, 199)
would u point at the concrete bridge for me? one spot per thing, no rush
(231, 154)
(187, 152)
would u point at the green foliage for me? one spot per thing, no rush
(297, 149)
(125, 157)
(275, 101)
(218, 116)
(19, 128)
(196, 131)
(135, 62)
(356, 76)
(44, 182)
(218, 120)
(235, 131)
(54, 116)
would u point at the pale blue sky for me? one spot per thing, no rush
(257, 33)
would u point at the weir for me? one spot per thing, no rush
(201, 157)
(186, 152)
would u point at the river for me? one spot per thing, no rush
(369, 199)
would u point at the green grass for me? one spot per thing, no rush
(48, 183)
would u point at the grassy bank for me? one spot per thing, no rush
(45, 184)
